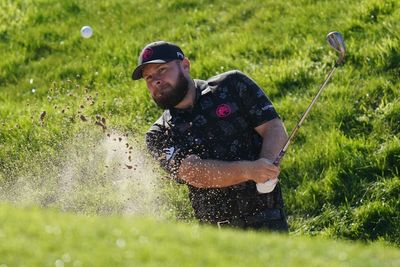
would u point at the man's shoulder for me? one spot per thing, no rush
(222, 81)
(226, 77)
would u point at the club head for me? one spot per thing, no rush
(335, 40)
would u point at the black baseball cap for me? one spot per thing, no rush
(157, 52)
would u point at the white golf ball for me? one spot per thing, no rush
(86, 32)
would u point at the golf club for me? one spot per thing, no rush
(335, 40)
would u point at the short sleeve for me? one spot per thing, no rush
(257, 107)
(162, 148)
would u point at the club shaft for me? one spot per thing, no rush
(294, 131)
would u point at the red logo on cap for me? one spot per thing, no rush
(147, 53)
(223, 110)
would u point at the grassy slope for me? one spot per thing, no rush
(341, 176)
(33, 237)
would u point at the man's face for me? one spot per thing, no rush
(166, 82)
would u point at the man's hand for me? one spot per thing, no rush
(262, 170)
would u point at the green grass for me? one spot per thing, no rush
(50, 238)
(340, 177)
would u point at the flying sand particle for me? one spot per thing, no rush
(102, 126)
(41, 118)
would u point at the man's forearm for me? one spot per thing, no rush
(204, 173)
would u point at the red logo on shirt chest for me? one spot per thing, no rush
(223, 110)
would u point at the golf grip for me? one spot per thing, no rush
(269, 185)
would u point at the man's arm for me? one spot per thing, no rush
(274, 137)
(215, 173)
(205, 173)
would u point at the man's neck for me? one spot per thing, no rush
(188, 100)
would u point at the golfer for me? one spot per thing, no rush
(218, 136)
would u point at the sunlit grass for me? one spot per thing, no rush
(50, 238)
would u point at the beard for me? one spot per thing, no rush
(170, 96)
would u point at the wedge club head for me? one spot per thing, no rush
(335, 40)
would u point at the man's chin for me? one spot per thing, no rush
(164, 105)
(170, 96)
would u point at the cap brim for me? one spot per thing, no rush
(137, 73)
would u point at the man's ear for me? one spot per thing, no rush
(186, 64)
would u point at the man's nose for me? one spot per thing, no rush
(157, 82)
